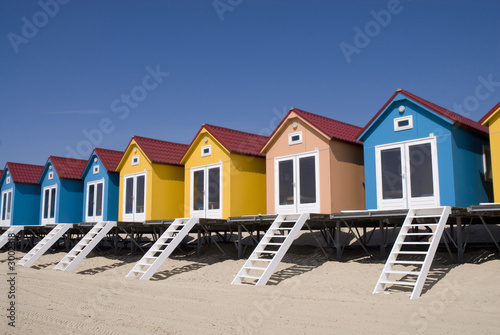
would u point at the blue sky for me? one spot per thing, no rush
(83, 73)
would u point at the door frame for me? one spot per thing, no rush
(206, 213)
(407, 201)
(297, 207)
(6, 222)
(134, 217)
(49, 220)
(94, 218)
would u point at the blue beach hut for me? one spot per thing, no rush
(62, 190)
(101, 186)
(418, 154)
(20, 194)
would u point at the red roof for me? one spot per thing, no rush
(456, 118)
(487, 115)
(25, 173)
(332, 128)
(68, 168)
(1, 173)
(162, 152)
(236, 141)
(109, 158)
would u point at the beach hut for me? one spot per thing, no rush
(62, 190)
(314, 164)
(492, 153)
(418, 154)
(20, 192)
(101, 186)
(225, 174)
(151, 180)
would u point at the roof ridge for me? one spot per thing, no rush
(157, 140)
(326, 117)
(231, 129)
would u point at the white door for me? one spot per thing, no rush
(49, 204)
(134, 202)
(407, 175)
(297, 184)
(206, 191)
(95, 201)
(6, 208)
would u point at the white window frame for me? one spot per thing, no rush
(51, 175)
(94, 218)
(95, 169)
(207, 213)
(293, 142)
(406, 201)
(7, 180)
(134, 217)
(297, 207)
(135, 160)
(487, 169)
(49, 220)
(408, 118)
(205, 154)
(8, 221)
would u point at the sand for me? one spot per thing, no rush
(193, 295)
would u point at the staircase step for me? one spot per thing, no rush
(406, 283)
(411, 243)
(260, 259)
(406, 262)
(254, 268)
(271, 243)
(265, 252)
(417, 234)
(248, 276)
(403, 272)
(411, 252)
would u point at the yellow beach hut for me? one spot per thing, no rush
(151, 180)
(491, 120)
(225, 174)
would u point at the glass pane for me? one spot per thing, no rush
(98, 205)
(129, 195)
(9, 204)
(52, 203)
(214, 188)
(46, 204)
(90, 201)
(421, 170)
(4, 205)
(139, 204)
(285, 171)
(307, 175)
(392, 181)
(198, 182)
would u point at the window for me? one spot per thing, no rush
(96, 169)
(206, 150)
(51, 175)
(295, 138)
(135, 160)
(6, 207)
(488, 174)
(7, 180)
(403, 123)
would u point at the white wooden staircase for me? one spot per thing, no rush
(162, 248)
(85, 246)
(38, 250)
(5, 236)
(270, 251)
(421, 229)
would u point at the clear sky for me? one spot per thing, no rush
(76, 72)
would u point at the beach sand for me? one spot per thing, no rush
(193, 295)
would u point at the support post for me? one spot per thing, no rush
(338, 245)
(459, 241)
(382, 239)
(200, 243)
(240, 243)
(115, 241)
